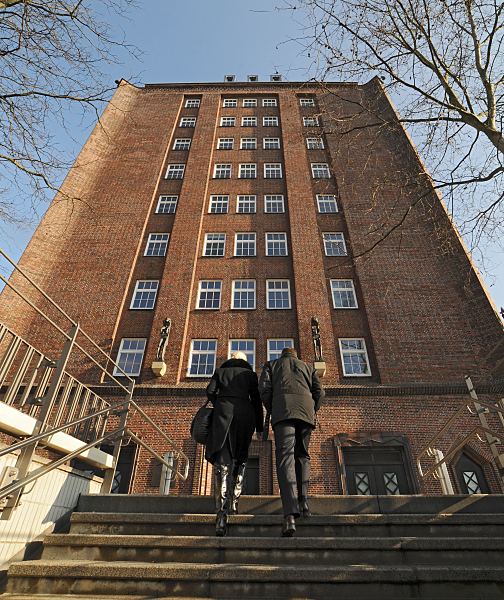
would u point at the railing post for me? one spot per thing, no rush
(24, 459)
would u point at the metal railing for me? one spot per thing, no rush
(43, 388)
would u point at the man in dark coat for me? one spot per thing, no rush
(291, 392)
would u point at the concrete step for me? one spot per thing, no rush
(359, 582)
(245, 525)
(277, 551)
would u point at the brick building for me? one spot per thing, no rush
(239, 210)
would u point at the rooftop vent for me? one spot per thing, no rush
(252, 78)
(276, 77)
(229, 78)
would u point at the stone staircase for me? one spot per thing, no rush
(357, 547)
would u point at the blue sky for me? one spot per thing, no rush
(202, 40)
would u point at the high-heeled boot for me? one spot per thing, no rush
(221, 473)
(236, 487)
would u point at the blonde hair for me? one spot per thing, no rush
(239, 355)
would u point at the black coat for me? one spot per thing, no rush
(290, 389)
(233, 391)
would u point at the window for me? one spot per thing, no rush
(320, 171)
(310, 121)
(246, 346)
(219, 204)
(202, 358)
(244, 294)
(248, 144)
(354, 357)
(278, 293)
(275, 347)
(315, 143)
(274, 203)
(245, 244)
(248, 171)
(209, 295)
(187, 122)
(167, 205)
(271, 143)
(272, 171)
(307, 101)
(270, 121)
(327, 203)
(334, 244)
(182, 144)
(229, 103)
(192, 103)
(249, 122)
(215, 244)
(130, 356)
(249, 102)
(276, 244)
(144, 295)
(222, 171)
(246, 204)
(157, 244)
(227, 121)
(343, 293)
(269, 102)
(225, 143)
(175, 172)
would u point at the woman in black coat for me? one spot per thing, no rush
(234, 394)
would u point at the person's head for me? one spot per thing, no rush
(239, 355)
(289, 351)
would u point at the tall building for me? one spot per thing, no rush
(240, 211)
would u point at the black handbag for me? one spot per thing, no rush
(201, 424)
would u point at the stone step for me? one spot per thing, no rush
(245, 525)
(277, 551)
(359, 581)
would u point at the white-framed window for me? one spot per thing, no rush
(225, 143)
(248, 171)
(315, 143)
(269, 102)
(271, 143)
(354, 357)
(215, 244)
(334, 244)
(270, 121)
(222, 171)
(144, 295)
(327, 203)
(167, 205)
(320, 171)
(248, 144)
(278, 294)
(187, 122)
(276, 244)
(310, 122)
(274, 203)
(245, 346)
(130, 356)
(249, 102)
(272, 170)
(209, 294)
(343, 293)
(218, 204)
(275, 347)
(202, 358)
(157, 244)
(192, 103)
(246, 204)
(228, 121)
(249, 121)
(182, 144)
(245, 244)
(175, 172)
(230, 103)
(307, 101)
(243, 294)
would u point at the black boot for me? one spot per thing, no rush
(221, 499)
(289, 526)
(236, 487)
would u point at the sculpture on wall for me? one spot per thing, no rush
(317, 343)
(163, 340)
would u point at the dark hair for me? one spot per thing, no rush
(289, 351)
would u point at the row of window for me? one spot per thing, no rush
(203, 355)
(268, 121)
(248, 143)
(252, 102)
(249, 171)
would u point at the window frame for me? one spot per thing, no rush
(305, 102)
(321, 169)
(249, 102)
(268, 212)
(274, 118)
(248, 139)
(229, 102)
(268, 340)
(175, 170)
(187, 122)
(167, 203)
(117, 372)
(268, 307)
(252, 119)
(137, 290)
(324, 233)
(198, 296)
(223, 167)
(320, 198)
(230, 340)
(225, 139)
(284, 233)
(233, 290)
(206, 241)
(271, 139)
(191, 352)
(352, 289)
(254, 240)
(272, 167)
(164, 233)
(311, 122)
(318, 143)
(211, 204)
(266, 101)
(180, 140)
(224, 124)
(242, 196)
(246, 167)
(346, 352)
(189, 103)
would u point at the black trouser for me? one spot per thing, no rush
(292, 438)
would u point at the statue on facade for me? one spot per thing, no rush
(317, 343)
(163, 339)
